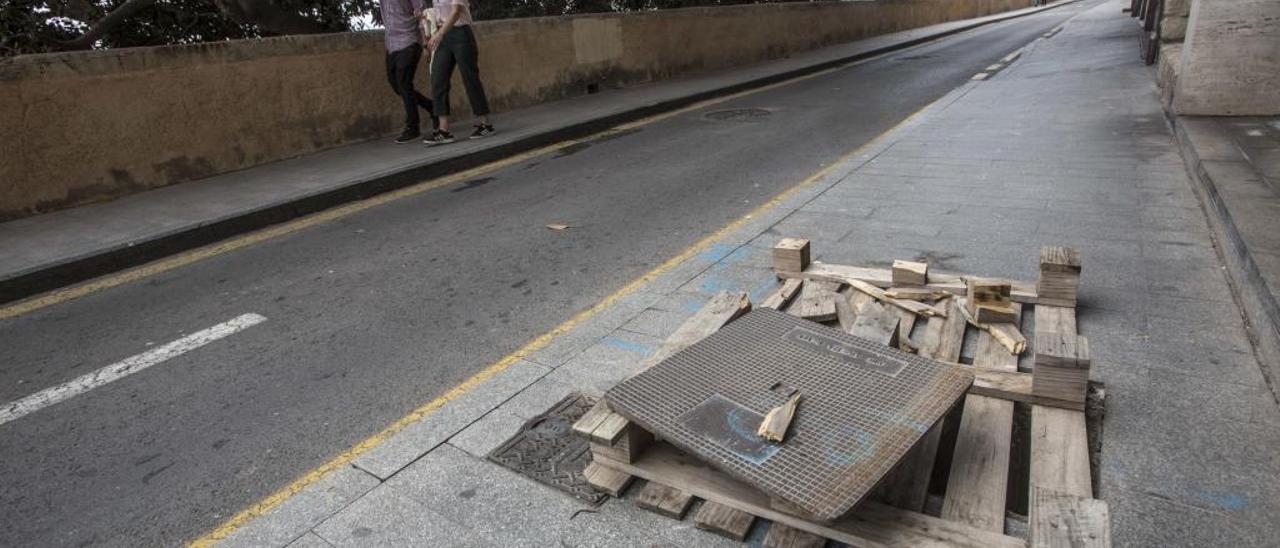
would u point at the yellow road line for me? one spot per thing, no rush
(201, 253)
(275, 499)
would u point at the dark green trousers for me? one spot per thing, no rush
(458, 49)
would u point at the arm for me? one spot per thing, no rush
(455, 11)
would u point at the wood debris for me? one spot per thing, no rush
(910, 273)
(913, 307)
(781, 296)
(1007, 334)
(791, 255)
(775, 423)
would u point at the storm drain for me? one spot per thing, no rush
(546, 450)
(737, 114)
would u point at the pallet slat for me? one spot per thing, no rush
(1059, 440)
(723, 520)
(783, 536)
(664, 500)
(1059, 520)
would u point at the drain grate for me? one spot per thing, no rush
(737, 114)
(546, 450)
(862, 406)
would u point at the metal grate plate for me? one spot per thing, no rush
(862, 406)
(546, 450)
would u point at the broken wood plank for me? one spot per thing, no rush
(845, 311)
(910, 306)
(906, 322)
(909, 273)
(774, 426)
(1021, 291)
(908, 486)
(817, 301)
(979, 481)
(922, 294)
(782, 535)
(870, 524)
(609, 480)
(1059, 440)
(876, 323)
(723, 308)
(791, 255)
(723, 520)
(1008, 335)
(781, 296)
(664, 500)
(1015, 387)
(1061, 520)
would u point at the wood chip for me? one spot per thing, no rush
(557, 226)
(1006, 334)
(781, 296)
(775, 423)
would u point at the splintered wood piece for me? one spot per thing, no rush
(1060, 520)
(723, 308)
(906, 322)
(664, 500)
(607, 479)
(723, 520)
(775, 423)
(1022, 291)
(782, 536)
(791, 255)
(910, 306)
(869, 525)
(844, 310)
(817, 302)
(917, 294)
(1008, 335)
(910, 273)
(876, 323)
(781, 296)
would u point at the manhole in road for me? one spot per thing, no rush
(737, 114)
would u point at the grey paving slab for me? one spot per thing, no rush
(613, 358)
(537, 398)
(293, 518)
(309, 540)
(490, 431)
(386, 517)
(422, 436)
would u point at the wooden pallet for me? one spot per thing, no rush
(1062, 511)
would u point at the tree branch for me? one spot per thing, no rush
(268, 17)
(113, 19)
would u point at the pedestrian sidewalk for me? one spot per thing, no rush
(49, 251)
(1066, 146)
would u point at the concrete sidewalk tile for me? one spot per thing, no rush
(386, 517)
(487, 433)
(537, 398)
(612, 359)
(305, 510)
(656, 322)
(420, 437)
(309, 540)
(756, 282)
(1140, 519)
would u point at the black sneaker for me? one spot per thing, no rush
(408, 136)
(482, 131)
(439, 137)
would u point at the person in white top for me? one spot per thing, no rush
(454, 45)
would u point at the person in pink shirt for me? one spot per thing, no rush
(454, 45)
(404, 50)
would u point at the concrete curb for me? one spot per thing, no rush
(109, 260)
(1253, 295)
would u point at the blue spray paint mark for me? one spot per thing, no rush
(629, 346)
(838, 454)
(715, 252)
(716, 284)
(1230, 502)
(763, 290)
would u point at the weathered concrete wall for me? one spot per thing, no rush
(83, 127)
(1229, 64)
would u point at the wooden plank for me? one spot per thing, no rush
(913, 307)
(609, 480)
(1059, 441)
(908, 486)
(870, 524)
(611, 429)
(817, 301)
(1016, 387)
(909, 273)
(591, 419)
(664, 500)
(1022, 291)
(775, 423)
(876, 323)
(723, 308)
(917, 293)
(978, 485)
(781, 296)
(783, 536)
(723, 520)
(1060, 520)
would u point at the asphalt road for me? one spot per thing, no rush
(371, 315)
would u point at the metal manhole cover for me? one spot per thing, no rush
(862, 407)
(546, 450)
(737, 114)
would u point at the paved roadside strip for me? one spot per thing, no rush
(58, 249)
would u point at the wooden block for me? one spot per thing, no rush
(979, 291)
(910, 273)
(607, 479)
(1061, 520)
(992, 313)
(664, 500)
(591, 419)
(791, 255)
(1059, 276)
(817, 302)
(876, 323)
(782, 536)
(610, 429)
(780, 297)
(775, 423)
(1059, 259)
(723, 520)
(1061, 366)
(628, 447)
